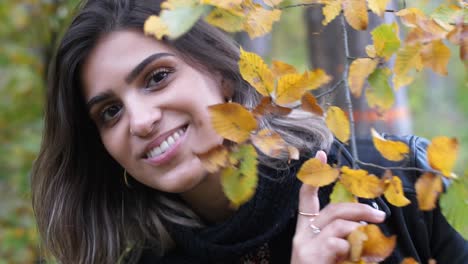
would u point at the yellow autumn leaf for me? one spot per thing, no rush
(361, 183)
(436, 55)
(394, 190)
(267, 107)
(331, 10)
(411, 17)
(154, 26)
(225, 20)
(239, 183)
(407, 58)
(386, 40)
(254, 70)
(370, 51)
(338, 123)
(428, 187)
(309, 103)
(378, 6)
(356, 243)
(391, 150)
(292, 86)
(260, 21)
(359, 70)
(442, 153)
(272, 3)
(380, 95)
(294, 153)
(215, 159)
(355, 12)
(316, 173)
(458, 37)
(280, 68)
(270, 143)
(232, 121)
(377, 246)
(234, 6)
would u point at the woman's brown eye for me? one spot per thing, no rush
(110, 113)
(157, 77)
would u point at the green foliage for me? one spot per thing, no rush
(454, 204)
(28, 31)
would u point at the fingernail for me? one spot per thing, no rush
(379, 214)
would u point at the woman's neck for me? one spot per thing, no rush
(208, 200)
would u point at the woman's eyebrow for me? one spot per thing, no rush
(97, 99)
(141, 66)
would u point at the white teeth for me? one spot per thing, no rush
(170, 140)
(166, 144)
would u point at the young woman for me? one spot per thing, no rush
(118, 178)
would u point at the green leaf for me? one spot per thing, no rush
(445, 15)
(182, 19)
(239, 183)
(341, 195)
(380, 94)
(386, 40)
(454, 205)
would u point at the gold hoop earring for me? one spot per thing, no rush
(125, 178)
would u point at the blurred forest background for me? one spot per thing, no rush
(29, 30)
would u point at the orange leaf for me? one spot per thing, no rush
(378, 6)
(391, 150)
(338, 123)
(267, 107)
(232, 121)
(280, 68)
(270, 143)
(215, 159)
(377, 247)
(359, 70)
(355, 12)
(316, 173)
(356, 242)
(459, 36)
(411, 17)
(428, 188)
(254, 70)
(409, 261)
(436, 55)
(394, 190)
(361, 183)
(442, 154)
(309, 103)
(331, 10)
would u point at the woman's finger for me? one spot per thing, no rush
(348, 211)
(308, 201)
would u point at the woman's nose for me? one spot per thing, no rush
(143, 119)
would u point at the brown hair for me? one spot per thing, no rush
(84, 211)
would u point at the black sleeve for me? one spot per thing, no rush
(447, 246)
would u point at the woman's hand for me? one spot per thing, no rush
(322, 238)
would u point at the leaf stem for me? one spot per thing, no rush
(348, 93)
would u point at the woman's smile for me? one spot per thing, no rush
(151, 109)
(165, 147)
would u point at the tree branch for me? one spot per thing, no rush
(331, 90)
(348, 92)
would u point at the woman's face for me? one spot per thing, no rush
(150, 108)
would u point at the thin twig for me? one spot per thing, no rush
(318, 4)
(348, 93)
(396, 168)
(331, 90)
